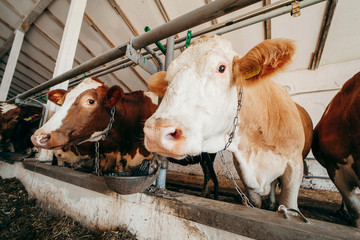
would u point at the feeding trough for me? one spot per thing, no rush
(133, 182)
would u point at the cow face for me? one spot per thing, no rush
(200, 92)
(84, 115)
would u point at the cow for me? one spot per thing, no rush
(85, 114)
(214, 98)
(336, 144)
(17, 123)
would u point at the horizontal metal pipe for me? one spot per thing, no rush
(243, 17)
(255, 16)
(196, 17)
(264, 16)
(258, 15)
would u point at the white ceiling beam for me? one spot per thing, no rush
(65, 59)
(11, 64)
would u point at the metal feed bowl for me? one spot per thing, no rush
(124, 183)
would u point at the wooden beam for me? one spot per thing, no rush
(213, 21)
(123, 15)
(166, 16)
(267, 23)
(25, 24)
(14, 9)
(329, 13)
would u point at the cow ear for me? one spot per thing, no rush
(113, 95)
(56, 96)
(262, 61)
(157, 83)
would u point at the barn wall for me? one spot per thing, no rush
(313, 90)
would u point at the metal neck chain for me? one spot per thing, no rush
(243, 197)
(97, 144)
(236, 120)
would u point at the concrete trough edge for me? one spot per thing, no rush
(64, 191)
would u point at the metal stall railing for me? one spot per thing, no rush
(247, 19)
(196, 17)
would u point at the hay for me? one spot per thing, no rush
(20, 218)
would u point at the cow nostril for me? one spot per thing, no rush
(45, 138)
(176, 134)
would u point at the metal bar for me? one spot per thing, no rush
(154, 54)
(169, 51)
(284, 4)
(267, 23)
(186, 21)
(329, 13)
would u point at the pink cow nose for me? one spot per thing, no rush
(173, 132)
(44, 138)
(162, 137)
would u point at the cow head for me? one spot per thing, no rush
(200, 91)
(84, 114)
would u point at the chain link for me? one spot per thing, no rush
(236, 120)
(243, 197)
(104, 135)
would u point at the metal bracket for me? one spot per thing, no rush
(295, 11)
(139, 59)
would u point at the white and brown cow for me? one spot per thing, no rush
(17, 124)
(85, 114)
(201, 91)
(336, 144)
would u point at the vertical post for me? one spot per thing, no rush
(169, 51)
(11, 64)
(267, 22)
(161, 179)
(65, 59)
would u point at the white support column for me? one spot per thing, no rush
(11, 64)
(65, 58)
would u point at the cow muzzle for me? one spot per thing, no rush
(50, 140)
(165, 138)
(40, 139)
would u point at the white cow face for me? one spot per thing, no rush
(200, 92)
(199, 104)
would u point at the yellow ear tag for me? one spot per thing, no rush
(28, 118)
(60, 102)
(253, 73)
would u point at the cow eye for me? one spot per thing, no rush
(222, 68)
(91, 101)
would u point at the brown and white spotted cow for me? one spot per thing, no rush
(336, 143)
(85, 114)
(200, 103)
(17, 124)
